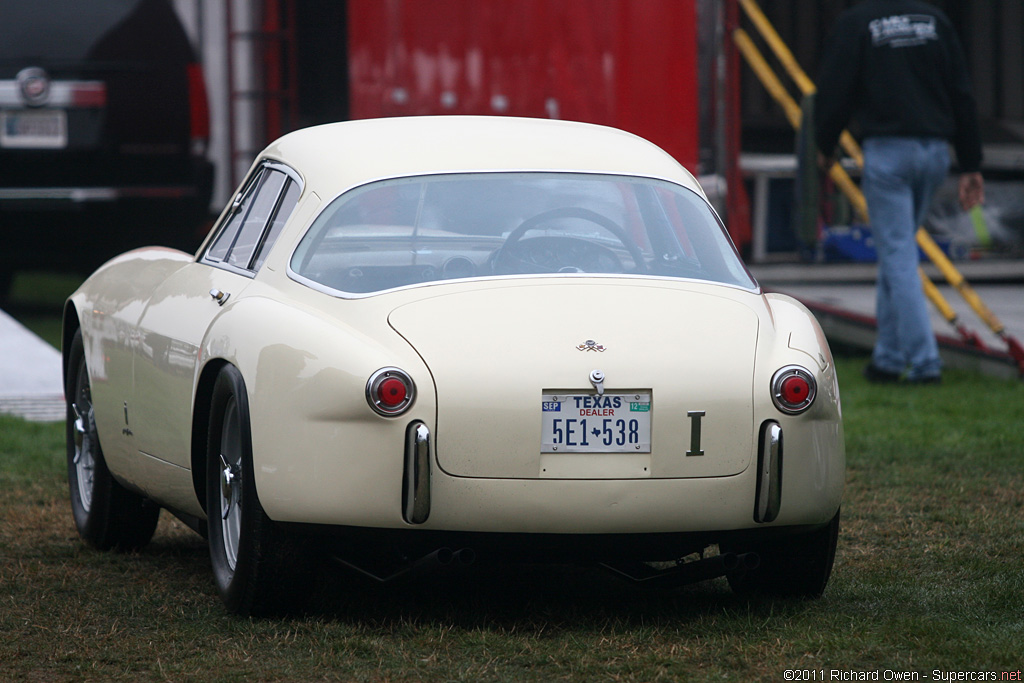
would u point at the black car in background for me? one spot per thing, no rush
(104, 125)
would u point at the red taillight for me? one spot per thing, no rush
(199, 108)
(793, 389)
(390, 391)
(89, 95)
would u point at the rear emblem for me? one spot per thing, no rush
(590, 345)
(34, 85)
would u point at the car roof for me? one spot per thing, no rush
(338, 156)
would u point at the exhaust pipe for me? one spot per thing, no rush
(465, 556)
(687, 572)
(438, 560)
(442, 557)
(748, 561)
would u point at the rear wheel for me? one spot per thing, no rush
(106, 514)
(798, 565)
(252, 559)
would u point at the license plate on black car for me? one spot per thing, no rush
(33, 129)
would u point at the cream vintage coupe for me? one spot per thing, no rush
(433, 338)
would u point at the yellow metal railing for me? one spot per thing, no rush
(842, 179)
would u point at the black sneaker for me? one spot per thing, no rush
(877, 375)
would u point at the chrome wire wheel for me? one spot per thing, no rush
(107, 515)
(253, 560)
(230, 467)
(84, 438)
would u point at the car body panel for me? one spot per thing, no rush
(117, 297)
(323, 457)
(503, 346)
(481, 352)
(171, 331)
(387, 151)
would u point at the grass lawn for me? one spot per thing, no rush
(928, 579)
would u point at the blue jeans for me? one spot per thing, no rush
(901, 176)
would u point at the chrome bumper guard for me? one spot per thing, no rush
(416, 479)
(768, 498)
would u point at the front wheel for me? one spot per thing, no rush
(791, 566)
(252, 559)
(106, 514)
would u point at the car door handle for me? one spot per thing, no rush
(219, 296)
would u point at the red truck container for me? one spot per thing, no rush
(624, 63)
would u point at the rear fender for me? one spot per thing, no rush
(314, 434)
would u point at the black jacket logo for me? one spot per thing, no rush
(907, 30)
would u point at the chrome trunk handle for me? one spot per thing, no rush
(219, 296)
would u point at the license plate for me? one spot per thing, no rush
(587, 423)
(34, 129)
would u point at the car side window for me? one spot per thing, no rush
(289, 197)
(257, 215)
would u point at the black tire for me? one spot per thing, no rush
(107, 515)
(254, 562)
(791, 566)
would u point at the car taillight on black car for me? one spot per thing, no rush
(199, 109)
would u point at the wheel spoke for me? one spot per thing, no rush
(79, 427)
(85, 440)
(230, 468)
(228, 488)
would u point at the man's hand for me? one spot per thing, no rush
(972, 190)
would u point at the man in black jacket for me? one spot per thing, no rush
(897, 67)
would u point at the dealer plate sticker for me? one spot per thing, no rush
(588, 423)
(34, 128)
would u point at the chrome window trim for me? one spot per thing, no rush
(225, 217)
(339, 294)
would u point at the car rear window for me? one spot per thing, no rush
(408, 231)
